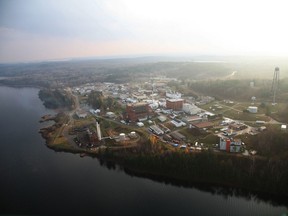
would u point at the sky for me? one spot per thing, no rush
(34, 30)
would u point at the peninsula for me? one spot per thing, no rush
(190, 121)
(151, 129)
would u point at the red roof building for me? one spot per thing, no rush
(175, 104)
(138, 111)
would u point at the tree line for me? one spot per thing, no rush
(54, 99)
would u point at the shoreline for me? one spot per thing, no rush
(129, 163)
(206, 184)
(227, 171)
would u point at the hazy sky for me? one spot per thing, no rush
(52, 29)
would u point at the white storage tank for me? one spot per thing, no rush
(133, 134)
(122, 136)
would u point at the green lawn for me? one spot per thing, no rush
(235, 110)
(209, 140)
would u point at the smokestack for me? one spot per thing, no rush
(98, 131)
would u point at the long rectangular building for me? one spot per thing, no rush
(155, 129)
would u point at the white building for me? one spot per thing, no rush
(140, 124)
(110, 114)
(178, 123)
(130, 100)
(173, 95)
(191, 109)
(252, 109)
(81, 114)
(155, 129)
(162, 118)
(95, 112)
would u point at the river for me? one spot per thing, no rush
(36, 180)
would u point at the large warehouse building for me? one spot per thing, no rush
(175, 104)
(137, 112)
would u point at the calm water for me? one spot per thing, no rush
(37, 180)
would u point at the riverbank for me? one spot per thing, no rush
(253, 174)
(155, 161)
(249, 173)
(66, 183)
(54, 138)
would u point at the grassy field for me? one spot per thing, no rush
(235, 110)
(188, 135)
(61, 143)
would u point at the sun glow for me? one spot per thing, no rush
(121, 27)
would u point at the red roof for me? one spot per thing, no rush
(203, 124)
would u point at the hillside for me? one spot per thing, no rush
(75, 72)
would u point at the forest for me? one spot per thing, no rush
(194, 68)
(54, 99)
(98, 101)
(255, 173)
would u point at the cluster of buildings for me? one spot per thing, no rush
(230, 145)
(138, 112)
(140, 100)
(141, 111)
(151, 101)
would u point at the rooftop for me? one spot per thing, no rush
(203, 124)
(175, 100)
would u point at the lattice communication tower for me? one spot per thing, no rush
(275, 84)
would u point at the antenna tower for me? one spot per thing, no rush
(275, 84)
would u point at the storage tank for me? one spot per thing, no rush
(133, 134)
(122, 136)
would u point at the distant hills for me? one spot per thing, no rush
(79, 71)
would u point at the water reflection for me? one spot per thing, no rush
(214, 189)
(36, 180)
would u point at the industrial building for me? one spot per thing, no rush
(178, 123)
(137, 112)
(230, 145)
(178, 136)
(194, 119)
(202, 125)
(155, 129)
(81, 114)
(173, 95)
(162, 118)
(175, 104)
(191, 109)
(167, 137)
(164, 128)
(237, 126)
(139, 96)
(252, 109)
